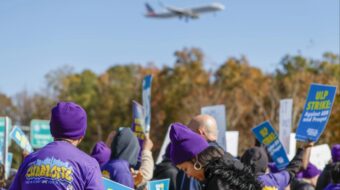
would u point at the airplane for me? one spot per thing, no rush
(187, 13)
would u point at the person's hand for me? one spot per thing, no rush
(110, 138)
(148, 144)
(308, 144)
(25, 154)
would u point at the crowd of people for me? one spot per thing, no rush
(192, 161)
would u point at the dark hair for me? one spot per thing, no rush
(231, 172)
(335, 172)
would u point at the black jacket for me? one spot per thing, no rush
(324, 178)
(227, 173)
(165, 170)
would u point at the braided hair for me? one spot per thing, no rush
(231, 172)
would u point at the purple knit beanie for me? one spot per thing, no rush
(311, 171)
(101, 152)
(336, 153)
(185, 144)
(68, 120)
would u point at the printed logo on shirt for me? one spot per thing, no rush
(269, 188)
(106, 174)
(49, 171)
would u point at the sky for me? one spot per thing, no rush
(38, 36)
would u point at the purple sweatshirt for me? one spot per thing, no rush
(58, 166)
(118, 171)
(278, 180)
(333, 187)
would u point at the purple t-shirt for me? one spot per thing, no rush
(58, 166)
(333, 187)
(118, 171)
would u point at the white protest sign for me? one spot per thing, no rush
(232, 142)
(292, 146)
(218, 112)
(286, 110)
(164, 145)
(320, 156)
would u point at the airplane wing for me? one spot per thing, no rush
(209, 8)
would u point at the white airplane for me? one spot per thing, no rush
(192, 13)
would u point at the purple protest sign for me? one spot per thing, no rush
(138, 125)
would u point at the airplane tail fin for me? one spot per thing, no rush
(149, 9)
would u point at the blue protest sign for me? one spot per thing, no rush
(147, 101)
(266, 134)
(20, 138)
(111, 185)
(316, 113)
(159, 184)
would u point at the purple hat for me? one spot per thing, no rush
(311, 171)
(68, 120)
(336, 153)
(101, 152)
(185, 144)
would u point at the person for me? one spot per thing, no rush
(60, 165)
(325, 176)
(124, 155)
(101, 152)
(257, 158)
(206, 126)
(145, 171)
(335, 177)
(165, 170)
(208, 164)
(310, 174)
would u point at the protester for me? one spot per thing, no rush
(60, 165)
(145, 172)
(101, 152)
(257, 158)
(166, 170)
(124, 155)
(192, 154)
(206, 126)
(310, 174)
(325, 176)
(335, 177)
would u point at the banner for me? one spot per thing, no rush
(20, 138)
(159, 184)
(138, 124)
(146, 93)
(218, 112)
(286, 113)
(320, 156)
(232, 142)
(163, 148)
(40, 133)
(266, 134)
(316, 113)
(111, 185)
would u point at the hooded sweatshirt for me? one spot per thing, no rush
(58, 166)
(124, 154)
